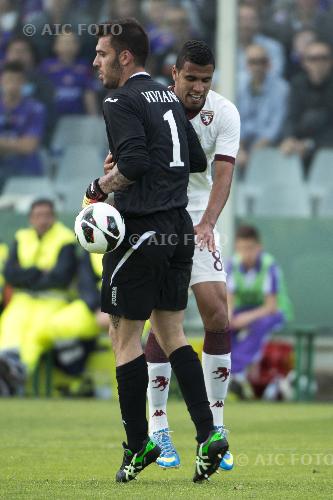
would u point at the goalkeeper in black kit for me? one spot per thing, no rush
(153, 148)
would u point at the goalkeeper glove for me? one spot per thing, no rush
(93, 194)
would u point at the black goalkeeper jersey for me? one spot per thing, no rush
(153, 144)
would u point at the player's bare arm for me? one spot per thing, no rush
(218, 197)
(100, 188)
(114, 181)
(245, 318)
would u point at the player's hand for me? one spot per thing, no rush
(108, 163)
(205, 236)
(93, 194)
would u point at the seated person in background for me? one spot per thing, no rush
(309, 122)
(22, 122)
(71, 77)
(3, 258)
(300, 41)
(257, 300)
(249, 33)
(262, 103)
(20, 49)
(9, 23)
(79, 320)
(40, 268)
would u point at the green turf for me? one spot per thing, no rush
(71, 449)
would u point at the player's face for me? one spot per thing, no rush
(107, 64)
(42, 218)
(192, 84)
(248, 249)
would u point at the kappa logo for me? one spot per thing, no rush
(158, 413)
(161, 381)
(114, 296)
(222, 372)
(206, 117)
(218, 404)
(109, 99)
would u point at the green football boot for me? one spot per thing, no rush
(134, 463)
(209, 455)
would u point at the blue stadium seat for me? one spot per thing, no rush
(283, 201)
(77, 130)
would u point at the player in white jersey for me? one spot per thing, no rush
(216, 121)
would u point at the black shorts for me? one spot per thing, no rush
(152, 267)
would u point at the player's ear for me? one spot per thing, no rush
(125, 57)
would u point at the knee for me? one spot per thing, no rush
(216, 319)
(172, 342)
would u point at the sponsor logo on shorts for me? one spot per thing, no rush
(161, 381)
(222, 373)
(114, 296)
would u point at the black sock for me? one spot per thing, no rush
(188, 370)
(132, 381)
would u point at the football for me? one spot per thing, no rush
(99, 228)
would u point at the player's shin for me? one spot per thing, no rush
(132, 381)
(159, 371)
(216, 363)
(187, 368)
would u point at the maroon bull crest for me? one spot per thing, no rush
(206, 117)
(222, 372)
(161, 382)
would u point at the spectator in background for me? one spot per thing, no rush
(77, 323)
(9, 20)
(293, 16)
(115, 9)
(262, 103)
(309, 123)
(176, 23)
(71, 77)
(30, 9)
(22, 121)
(40, 267)
(257, 300)
(160, 39)
(38, 86)
(248, 34)
(60, 13)
(300, 41)
(3, 259)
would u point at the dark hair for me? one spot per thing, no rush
(127, 34)
(13, 67)
(42, 201)
(27, 41)
(248, 233)
(196, 52)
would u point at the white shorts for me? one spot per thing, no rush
(207, 266)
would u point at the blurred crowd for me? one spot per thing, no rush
(284, 69)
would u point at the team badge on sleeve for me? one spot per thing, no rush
(206, 117)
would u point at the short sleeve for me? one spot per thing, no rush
(227, 142)
(271, 282)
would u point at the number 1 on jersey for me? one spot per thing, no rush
(177, 162)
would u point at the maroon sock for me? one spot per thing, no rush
(217, 342)
(153, 351)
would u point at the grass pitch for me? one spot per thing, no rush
(71, 449)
